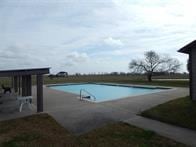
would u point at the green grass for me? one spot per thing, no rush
(181, 112)
(43, 130)
(35, 130)
(124, 135)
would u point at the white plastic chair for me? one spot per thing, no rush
(24, 100)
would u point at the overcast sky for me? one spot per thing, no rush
(92, 35)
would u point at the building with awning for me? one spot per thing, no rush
(22, 82)
(190, 49)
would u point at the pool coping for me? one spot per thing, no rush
(114, 84)
(165, 88)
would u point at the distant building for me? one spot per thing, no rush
(190, 49)
(62, 74)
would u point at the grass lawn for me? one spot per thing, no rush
(124, 135)
(42, 130)
(36, 130)
(181, 112)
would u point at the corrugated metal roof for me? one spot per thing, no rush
(21, 72)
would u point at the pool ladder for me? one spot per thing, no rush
(83, 90)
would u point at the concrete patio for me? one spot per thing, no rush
(9, 107)
(82, 116)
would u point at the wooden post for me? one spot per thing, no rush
(12, 82)
(19, 85)
(28, 85)
(15, 84)
(192, 58)
(24, 86)
(39, 93)
(190, 77)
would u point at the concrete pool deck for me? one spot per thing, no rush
(82, 116)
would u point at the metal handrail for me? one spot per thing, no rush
(87, 93)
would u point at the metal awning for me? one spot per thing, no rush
(22, 72)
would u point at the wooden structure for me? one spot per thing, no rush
(190, 49)
(22, 82)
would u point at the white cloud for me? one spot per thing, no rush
(64, 33)
(76, 57)
(113, 42)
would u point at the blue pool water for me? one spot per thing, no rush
(105, 92)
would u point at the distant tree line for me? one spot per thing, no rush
(119, 74)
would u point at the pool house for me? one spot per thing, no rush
(190, 49)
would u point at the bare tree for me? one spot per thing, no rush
(154, 62)
(171, 66)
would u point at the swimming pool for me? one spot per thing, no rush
(105, 92)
